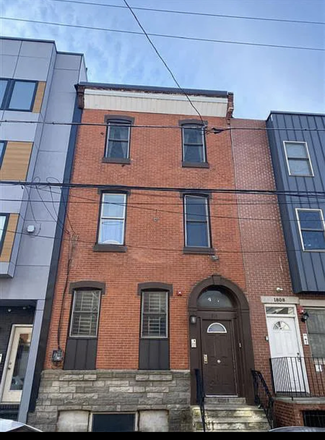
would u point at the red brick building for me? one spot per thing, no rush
(165, 271)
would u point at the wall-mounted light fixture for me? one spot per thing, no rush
(304, 316)
(193, 319)
(57, 355)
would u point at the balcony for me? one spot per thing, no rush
(298, 376)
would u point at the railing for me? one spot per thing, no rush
(263, 397)
(200, 396)
(298, 376)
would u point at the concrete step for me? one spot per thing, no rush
(224, 424)
(231, 411)
(217, 400)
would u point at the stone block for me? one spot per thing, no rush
(73, 421)
(153, 421)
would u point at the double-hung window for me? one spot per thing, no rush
(118, 140)
(3, 226)
(17, 95)
(298, 159)
(112, 219)
(312, 229)
(197, 224)
(85, 313)
(193, 144)
(316, 332)
(154, 314)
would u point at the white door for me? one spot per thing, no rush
(16, 363)
(289, 371)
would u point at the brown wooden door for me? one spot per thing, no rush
(218, 357)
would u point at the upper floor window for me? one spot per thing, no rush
(112, 219)
(17, 95)
(117, 148)
(193, 144)
(197, 225)
(3, 226)
(298, 159)
(85, 313)
(3, 145)
(312, 229)
(154, 314)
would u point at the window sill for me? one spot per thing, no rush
(109, 248)
(195, 165)
(125, 161)
(199, 251)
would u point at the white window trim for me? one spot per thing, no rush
(193, 126)
(167, 315)
(75, 292)
(308, 158)
(299, 226)
(116, 122)
(112, 218)
(207, 220)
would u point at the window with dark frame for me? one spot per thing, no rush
(197, 224)
(316, 332)
(3, 226)
(312, 229)
(298, 159)
(3, 145)
(154, 314)
(112, 219)
(85, 313)
(18, 95)
(193, 143)
(118, 139)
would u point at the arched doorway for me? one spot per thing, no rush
(220, 339)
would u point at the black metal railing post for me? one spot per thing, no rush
(262, 396)
(200, 396)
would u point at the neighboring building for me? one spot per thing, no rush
(297, 144)
(168, 279)
(36, 86)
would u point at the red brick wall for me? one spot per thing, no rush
(263, 245)
(154, 234)
(291, 413)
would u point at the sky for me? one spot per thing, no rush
(263, 79)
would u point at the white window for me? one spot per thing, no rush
(298, 158)
(112, 219)
(312, 229)
(85, 313)
(197, 228)
(154, 315)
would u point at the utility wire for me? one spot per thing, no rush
(213, 130)
(166, 189)
(163, 61)
(179, 37)
(203, 14)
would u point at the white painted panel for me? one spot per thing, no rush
(30, 283)
(7, 65)
(36, 49)
(17, 132)
(9, 47)
(32, 68)
(155, 103)
(34, 248)
(73, 421)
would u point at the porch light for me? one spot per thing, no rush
(57, 355)
(193, 319)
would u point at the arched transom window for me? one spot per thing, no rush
(216, 327)
(214, 298)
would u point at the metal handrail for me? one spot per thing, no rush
(200, 396)
(262, 396)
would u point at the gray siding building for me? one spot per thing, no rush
(37, 86)
(297, 143)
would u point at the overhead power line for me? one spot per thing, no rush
(179, 37)
(163, 61)
(186, 190)
(213, 130)
(202, 14)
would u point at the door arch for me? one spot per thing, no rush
(224, 358)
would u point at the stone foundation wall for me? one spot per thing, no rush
(110, 391)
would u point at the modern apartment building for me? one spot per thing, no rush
(177, 268)
(37, 86)
(297, 145)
